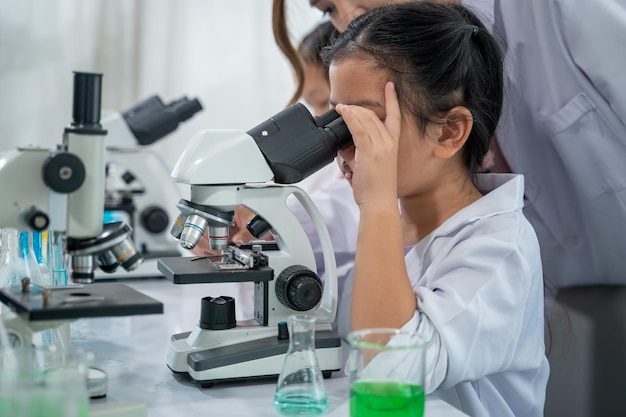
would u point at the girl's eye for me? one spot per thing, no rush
(328, 11)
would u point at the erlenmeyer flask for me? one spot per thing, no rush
(300, 390)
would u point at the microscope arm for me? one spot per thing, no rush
(24, 191)
(327, 309)
(61, 191)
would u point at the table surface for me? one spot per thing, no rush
(132, 350)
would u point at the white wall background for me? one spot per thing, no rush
(221, 51)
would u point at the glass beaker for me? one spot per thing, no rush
(387, 372)
(300, 390)
(45, 382)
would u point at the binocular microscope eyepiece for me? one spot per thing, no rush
(294, 143)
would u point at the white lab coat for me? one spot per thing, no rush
(479, 288)
(564, 128)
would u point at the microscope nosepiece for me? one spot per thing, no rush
(218, 237)
(178, 226)
(82, 269)
(193, 231)
(127, 255)
(107, 262)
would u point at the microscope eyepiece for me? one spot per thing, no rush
(87, 93)
(295, 144)
(152, 120)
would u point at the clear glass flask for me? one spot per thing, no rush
(300, 390)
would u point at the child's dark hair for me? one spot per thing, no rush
(308, 49)
(438, 56)
(311, 46)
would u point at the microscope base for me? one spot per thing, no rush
(253, 359)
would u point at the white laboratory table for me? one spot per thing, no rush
(132, 350)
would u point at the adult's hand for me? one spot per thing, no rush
(238, 233)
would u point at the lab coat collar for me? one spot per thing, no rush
(502, 193)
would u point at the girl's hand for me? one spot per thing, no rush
(375, 162)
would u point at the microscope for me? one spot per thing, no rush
(62, 191)
(227, 169)
(137, 178)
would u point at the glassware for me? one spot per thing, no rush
(17, 259)
(39, 243)
(300, 390)
(45, 382)
(387, 373)
(55, 258)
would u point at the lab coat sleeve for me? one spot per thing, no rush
(595, 34)
(473, 304)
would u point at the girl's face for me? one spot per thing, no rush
(356, 82)
(316, 91)
(342, 12)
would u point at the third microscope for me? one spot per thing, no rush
(280, 151)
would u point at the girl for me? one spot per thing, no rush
(440, 249)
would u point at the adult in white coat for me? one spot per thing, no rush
(440, 250)
(564, 128)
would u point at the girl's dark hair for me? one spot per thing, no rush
(438, 56)
(311, 46)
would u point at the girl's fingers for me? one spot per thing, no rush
(363, 124)
(393, 118)
(358, 131)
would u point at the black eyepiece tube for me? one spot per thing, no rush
(295, 144)
(87, 99)
(324, 119)
(151, 119)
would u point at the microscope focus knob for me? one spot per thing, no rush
(298, 288)
(63, 172)
(36, 219)
(154, 219)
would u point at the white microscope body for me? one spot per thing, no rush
(227, 169)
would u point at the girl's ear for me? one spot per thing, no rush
(456, 127)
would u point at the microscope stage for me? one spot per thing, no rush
(79, 301)
(197, 270)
